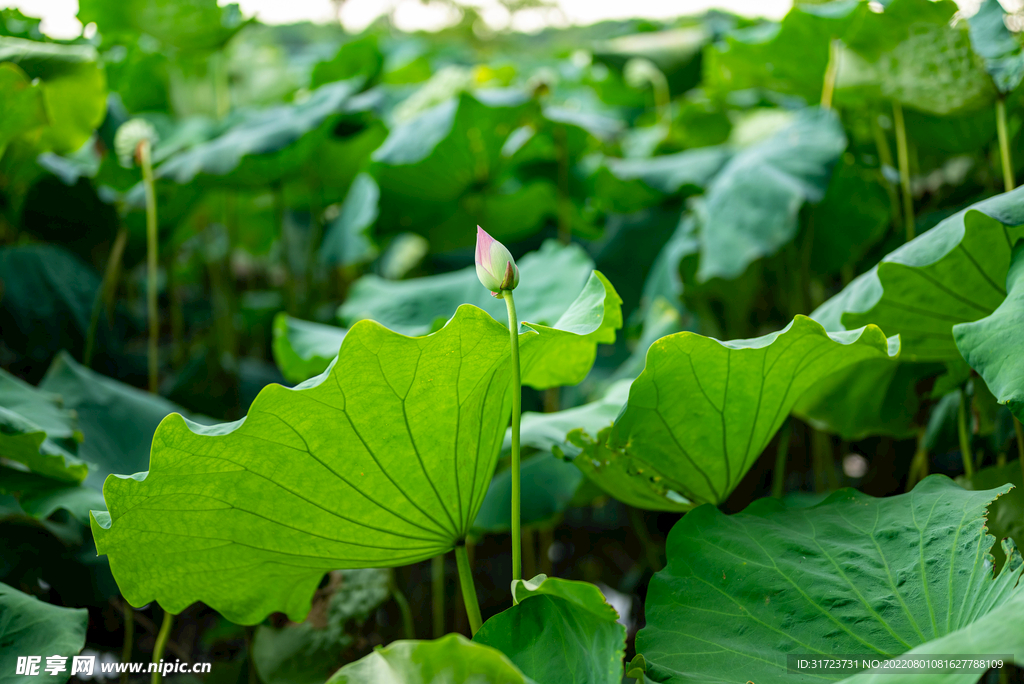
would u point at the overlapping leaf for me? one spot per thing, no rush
(559, 630)
(303, 349)
(994, 345)
(702, 411)
(1002, 52)
(853, 574)
(954, 273)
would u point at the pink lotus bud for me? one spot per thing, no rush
(495, 266)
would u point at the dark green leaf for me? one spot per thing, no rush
(33, 628)
(854, 574)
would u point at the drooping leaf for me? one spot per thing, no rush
(303, 349)
(40, 495)
(1001, 50)
(549, 281)
(345, 240)
(853, 574)
(360, 57)
(751, 208)
(628, 185)
(22, 107)
(72, 86)
(452, 659)
(559, 630)
(117, 420)
(994, 345)
(30, 627)
(702, 411)
(23, 441)
(953, 273)
(265, 145)
(915, 54)
(43, 408)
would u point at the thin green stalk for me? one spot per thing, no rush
(965, 440)
(145, 157)
(1004, 145)
(105, 293)
(161, 642)
(824, 462)
(129, 637)
(513, 328)
(904, 162)
(636, 519)
(403, 608)
(468, 589)
(437, 593)
(919, 464)
(830, 74)
(781, 456)
(1020, 444)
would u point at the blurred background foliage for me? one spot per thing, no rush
(724, 173)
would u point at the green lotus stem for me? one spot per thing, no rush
(904, 162)
(781, 456)
(468, 588)
(403, 607)
(105, 292)
(161, 642)
(1020, 444)
(1004, 145)
(965, 441)
(831, 70)
(919, 464)
(145, 158)
(437, 593)
(129, 637)
(513, 328)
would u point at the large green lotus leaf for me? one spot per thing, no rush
(628, 185)
(39, 495)
(309, 652)
(265, 145)
(912, 53)
(188, 25)
(953, 273)
(559, 631)
(117, 420)
(702, 411)
(303, 349)
(1001, 50)
(660, 319)
(72, 85)
(358, 57)
(22, 109)
(788, 57)
(994, 345)
(429, 163)
(1006, 514)
(24, 441)
(549, 282)
(851, 575)
(29, 627)
(452, 659)
(874, 397)
(751, 208)
(382, 460)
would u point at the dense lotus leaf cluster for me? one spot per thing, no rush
(767, 334)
